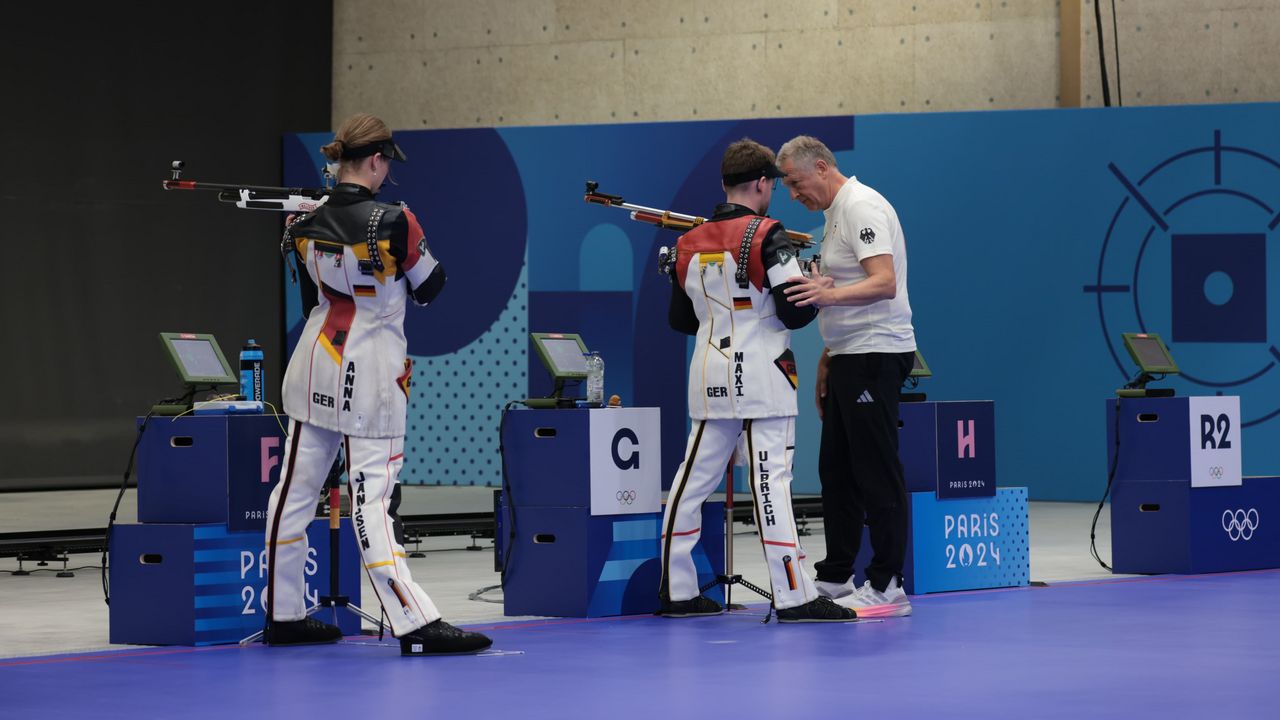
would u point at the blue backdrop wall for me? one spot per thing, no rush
(1035, 238)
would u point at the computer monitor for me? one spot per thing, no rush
(919, 368)
(198, 359)
(1153, 359)
(564, 357)
(1150, 353)
(563, 354)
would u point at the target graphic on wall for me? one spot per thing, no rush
(1186, 255)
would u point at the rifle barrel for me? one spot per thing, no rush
(314, 193)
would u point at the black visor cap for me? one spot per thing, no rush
(768, 171)
(388, 148)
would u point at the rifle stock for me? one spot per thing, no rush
(668, 219)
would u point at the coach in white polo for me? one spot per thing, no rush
(865, 319)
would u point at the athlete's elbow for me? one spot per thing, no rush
(431, 287)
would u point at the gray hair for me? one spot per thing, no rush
(806, 150)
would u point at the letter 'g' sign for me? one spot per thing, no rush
(626, 460)
(632, 461)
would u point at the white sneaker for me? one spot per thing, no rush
(871, 603)
(834, 590)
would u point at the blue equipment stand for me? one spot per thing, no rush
(200, 584)
(209, 469)
(966, 533)
(192, 571)
(585, 489)
(1164, 517)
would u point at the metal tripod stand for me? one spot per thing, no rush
(729, 579)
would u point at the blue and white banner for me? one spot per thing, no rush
(1035, 239)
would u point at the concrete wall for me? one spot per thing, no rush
(1176, 52)
(481, 63)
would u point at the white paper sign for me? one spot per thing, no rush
(1215, 440)
(626, 461)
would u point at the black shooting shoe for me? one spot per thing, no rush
(441, 638)
(697, 607)
(307, 631)
(819, 610)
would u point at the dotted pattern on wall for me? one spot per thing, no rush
(1015, 566)
(451, 437)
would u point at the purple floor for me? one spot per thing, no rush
(1171, 646)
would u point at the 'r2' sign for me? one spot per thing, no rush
(1214, 439)
(1211, 440)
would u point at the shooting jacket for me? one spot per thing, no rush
(730, 274)
(350, 370)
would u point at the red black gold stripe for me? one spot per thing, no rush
(742, 303)
(664, 583)
(296, 432)
(404, 380)
(337, 322)
(787, 364)
(399, 595)
(365, 291)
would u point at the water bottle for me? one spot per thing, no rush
(251, 371)
(595, 380)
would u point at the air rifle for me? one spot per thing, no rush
(670, 220)
(254, 197)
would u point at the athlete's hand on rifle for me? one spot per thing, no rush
(813, 290)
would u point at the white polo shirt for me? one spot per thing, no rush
(862, 224)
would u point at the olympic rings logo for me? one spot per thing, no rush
(1240, 524)
(1215, 472)
(626, 497)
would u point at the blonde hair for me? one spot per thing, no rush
(358, 130)
(806, 150)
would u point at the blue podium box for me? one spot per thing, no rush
(585, 491)
(1170, 527)
(948, 447)
(567, 563)
(209, 469)
(200, 584)
(963, 544)
(1178, 502)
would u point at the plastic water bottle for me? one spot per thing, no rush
(595, 380)
(251, 371)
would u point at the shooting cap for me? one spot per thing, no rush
(768, 170)
(387, 147)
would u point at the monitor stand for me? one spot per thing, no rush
(553, 401)
(1137, 388)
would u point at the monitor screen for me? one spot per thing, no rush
(565, 355)
(198, 359)
(1149, 351)
(562, 354)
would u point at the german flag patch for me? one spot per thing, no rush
(364, 291)
(786, 362)
(742, 303)
(404, 380)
